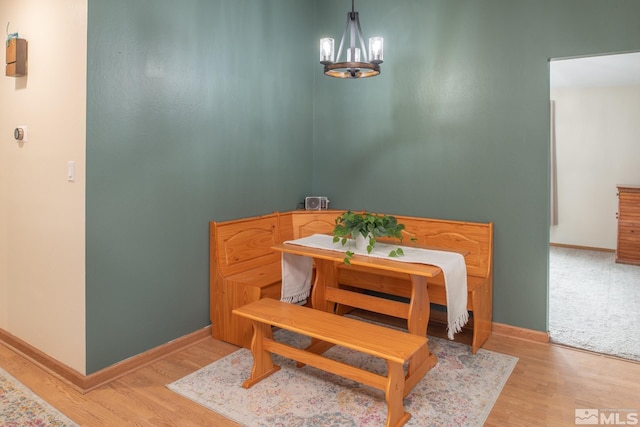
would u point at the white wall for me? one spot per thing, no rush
(42, 218)
(598, 147)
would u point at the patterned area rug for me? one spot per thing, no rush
(459, 391)
(19, 406)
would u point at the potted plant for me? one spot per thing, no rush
(365, 227)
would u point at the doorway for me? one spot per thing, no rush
(595, 105)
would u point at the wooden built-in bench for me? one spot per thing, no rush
(474, 239)
(395, 347)
(245, 268)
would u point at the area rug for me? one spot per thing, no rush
(459, 391)
(19, 406)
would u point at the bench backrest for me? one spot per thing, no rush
(474, 238)
(307, 223)
(244, 244)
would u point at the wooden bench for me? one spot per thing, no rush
(244, 268)
(395, 347)
(475, 239)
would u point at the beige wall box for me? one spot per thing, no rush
(16, 57)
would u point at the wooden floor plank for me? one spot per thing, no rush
(549, 383)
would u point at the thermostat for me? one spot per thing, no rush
(20, 133)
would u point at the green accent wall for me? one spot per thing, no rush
(457, 124)
(212, 110)
(197, 111)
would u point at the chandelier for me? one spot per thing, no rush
(357, 63)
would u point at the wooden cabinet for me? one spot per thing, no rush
(628, 250)
(16, 58)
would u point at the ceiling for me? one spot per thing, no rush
(594, 71)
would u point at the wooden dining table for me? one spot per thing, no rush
(326, 295)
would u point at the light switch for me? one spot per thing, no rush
(71, 171)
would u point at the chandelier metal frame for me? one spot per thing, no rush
(352, 67)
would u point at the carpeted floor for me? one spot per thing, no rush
(19, 406)
(459, 391)
(594, 303)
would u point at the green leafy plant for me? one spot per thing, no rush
(368, 225)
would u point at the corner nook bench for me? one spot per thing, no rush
(244, 267)
(395, 347)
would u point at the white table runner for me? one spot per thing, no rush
(296, 273)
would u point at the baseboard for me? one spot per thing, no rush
(519, 333)
(499, 329)
(48, 363)
(586, 248)
(86, 383)
(439, 318)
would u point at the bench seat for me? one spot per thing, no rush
(394, 346)
(267, 278)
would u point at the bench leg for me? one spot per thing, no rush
(394, 393)
(482, 305)
(262, 362)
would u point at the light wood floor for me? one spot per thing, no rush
(548, 384)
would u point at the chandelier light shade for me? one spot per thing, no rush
(357, 64)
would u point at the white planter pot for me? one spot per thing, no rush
(361, 243)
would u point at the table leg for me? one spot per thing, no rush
(417, 323)
(419, 306)
(326, 276)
